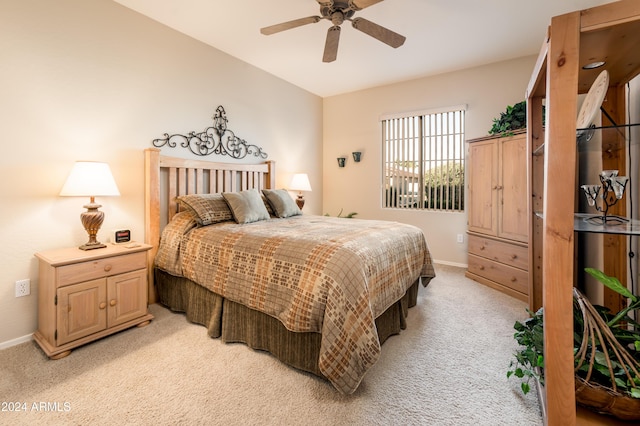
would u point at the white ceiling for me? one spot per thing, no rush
(442, 36)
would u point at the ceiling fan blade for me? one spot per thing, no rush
(361, 4)
(376, 31)
(331, 45)
(289, 25)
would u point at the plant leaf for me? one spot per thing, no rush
(600, 358)
(603, 370)
(635, 392)
(526, 388)
(611, 282)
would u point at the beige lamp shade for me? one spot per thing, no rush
(300, 182)
(90, 179)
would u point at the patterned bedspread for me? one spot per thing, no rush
(313, 273)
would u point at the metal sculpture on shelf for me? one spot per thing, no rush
(216, 139)
(613, 187)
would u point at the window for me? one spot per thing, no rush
(423, 157)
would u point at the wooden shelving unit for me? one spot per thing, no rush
(609, 33)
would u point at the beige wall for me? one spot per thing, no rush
(92, 80)
(351, 123)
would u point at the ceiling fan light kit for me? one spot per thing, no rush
(337, 12)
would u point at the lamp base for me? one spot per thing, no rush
(92, 221)
(89, 246)
(300, 201)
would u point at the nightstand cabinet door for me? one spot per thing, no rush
(127, 294)
(81, 310)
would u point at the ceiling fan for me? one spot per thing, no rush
(337, 12)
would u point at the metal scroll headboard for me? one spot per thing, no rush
(216, 139)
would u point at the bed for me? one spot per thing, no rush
(321, 294)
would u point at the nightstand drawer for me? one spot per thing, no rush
(92, 269)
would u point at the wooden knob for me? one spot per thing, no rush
(102, 305)
(514, 279)
(107, 268)
(112, 302)
(482, 247)
(514, 256)
(482, 268)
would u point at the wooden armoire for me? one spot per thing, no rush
(497, 213)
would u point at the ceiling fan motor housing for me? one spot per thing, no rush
(342, 8)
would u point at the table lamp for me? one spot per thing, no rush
(90, 179)
(300, 182)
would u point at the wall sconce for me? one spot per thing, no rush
(356, 156)
(342, 161)
(90, 179)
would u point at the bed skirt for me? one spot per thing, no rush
(233, 322)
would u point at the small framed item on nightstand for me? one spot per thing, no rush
(121, 236)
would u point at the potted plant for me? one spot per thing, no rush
(606, 353)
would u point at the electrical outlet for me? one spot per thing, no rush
(23, 287)
(460, 238)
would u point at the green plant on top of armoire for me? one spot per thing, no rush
(606, 352)
(513, 118)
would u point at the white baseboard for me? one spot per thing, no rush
(14, 342)
(444, 262)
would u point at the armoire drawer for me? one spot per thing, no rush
(505, 275)
(500, 251)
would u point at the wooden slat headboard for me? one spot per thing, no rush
(169, 177)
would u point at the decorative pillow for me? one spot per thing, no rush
(268, 206)
(246, 206)
(281, 202)
(208, 208)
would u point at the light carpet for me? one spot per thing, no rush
(447, 368)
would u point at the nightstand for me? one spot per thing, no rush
(87, 295)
